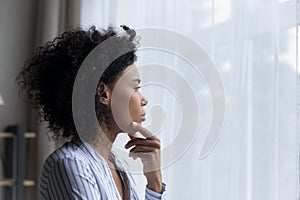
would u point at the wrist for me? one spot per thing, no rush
(154, 180)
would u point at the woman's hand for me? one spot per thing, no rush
(148, 150)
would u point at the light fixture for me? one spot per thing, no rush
(1, 100)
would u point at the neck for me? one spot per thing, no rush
(104, 141)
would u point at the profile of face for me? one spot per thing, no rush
(126, 101)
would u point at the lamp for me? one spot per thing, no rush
(1, 100)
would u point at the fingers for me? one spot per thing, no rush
(151, 143)
(147, 149)
(133, 136)
(138, 127)
(141, 149)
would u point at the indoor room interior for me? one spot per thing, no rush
(222, 82)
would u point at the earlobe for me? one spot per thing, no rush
(104, 94)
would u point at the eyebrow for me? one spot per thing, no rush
(138, 80)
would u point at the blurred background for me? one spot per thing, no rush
(254, 45)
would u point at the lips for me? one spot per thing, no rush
(143, 117)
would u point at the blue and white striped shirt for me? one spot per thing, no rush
(77, 171)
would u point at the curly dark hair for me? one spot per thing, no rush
(48, 77)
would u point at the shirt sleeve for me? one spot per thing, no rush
(151, 195)
(71, 179)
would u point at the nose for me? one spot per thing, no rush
(144, 101)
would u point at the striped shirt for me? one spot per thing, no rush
(77, 171)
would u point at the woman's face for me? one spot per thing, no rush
(127, 102)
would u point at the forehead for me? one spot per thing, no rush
(131, 73)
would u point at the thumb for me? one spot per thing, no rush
(138, 127)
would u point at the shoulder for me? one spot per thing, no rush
(68, 150)
(68, 164)
(70, 155)
(67, 173)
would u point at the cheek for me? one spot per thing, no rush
(121, 100)
(134, 106)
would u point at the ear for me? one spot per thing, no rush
(104, 93)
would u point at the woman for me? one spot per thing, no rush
(85, 168)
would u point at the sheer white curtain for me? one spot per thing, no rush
(254, 46)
